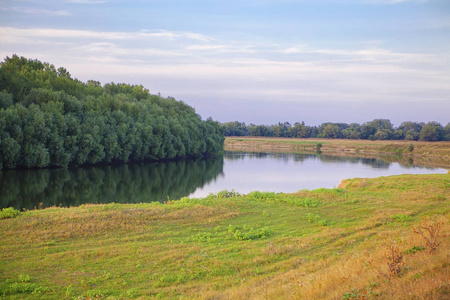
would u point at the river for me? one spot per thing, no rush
(146, 182)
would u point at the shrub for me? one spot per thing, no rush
(312, 218)
(429, 230)
(394, 260)
(9, 212)
(249, 233)
(224, 194)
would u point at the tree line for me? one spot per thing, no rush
(378, 129)
(49, 119)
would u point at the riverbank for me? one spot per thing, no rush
(430, 154)
(319, 244)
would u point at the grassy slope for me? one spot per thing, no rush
(326, 243)
(433, 154)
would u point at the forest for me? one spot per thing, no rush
(378, 129)
(49, 119)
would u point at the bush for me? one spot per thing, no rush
(9, 212)
(429, 230)
(224, 194)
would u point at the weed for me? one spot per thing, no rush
(394, 260)
(401, 218)
(22, 285)
(201, 237)
(414, 249)
(132, 293)
(354, 294)
(429, 230)
(224, 194)
(9, 212)
(272, 249)
(249, 233)
(317, 219)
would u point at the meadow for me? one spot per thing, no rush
(381, 238)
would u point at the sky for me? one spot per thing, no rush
(252, 61)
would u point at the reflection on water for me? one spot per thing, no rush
(241, 171)
(132, 183)
(300, 157)
(289, 172)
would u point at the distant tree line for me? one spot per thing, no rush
(47, 118)
(378, 129)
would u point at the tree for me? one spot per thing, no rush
(331, 131)
(48, 118)
(432, 131)
(411, 129)
(447, 132)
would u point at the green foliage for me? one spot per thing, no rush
(284, 198)
(432, 131)
(48, 118)
(316, 219)
(378, 129)
(9, 212)
(224, 194)
(249, 233)
(401, 218)
(415, 249)
(22, 285)
(318, 146)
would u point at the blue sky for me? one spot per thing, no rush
(252, 61)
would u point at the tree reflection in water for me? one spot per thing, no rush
(132, 183)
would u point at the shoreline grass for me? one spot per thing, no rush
(313, 244)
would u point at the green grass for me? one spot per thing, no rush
(227, 245)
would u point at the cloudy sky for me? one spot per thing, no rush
(254, 61)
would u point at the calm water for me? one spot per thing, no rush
(289, 172)
(243, 172)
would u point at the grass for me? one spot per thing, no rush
(432, 154)
(319, 244)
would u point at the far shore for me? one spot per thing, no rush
(428, 154)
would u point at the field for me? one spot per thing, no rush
(432, 154)
(352, 242)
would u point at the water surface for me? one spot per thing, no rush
(289, 172)
(147, 182)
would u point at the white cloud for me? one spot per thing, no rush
(193, 66)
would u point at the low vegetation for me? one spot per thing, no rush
(364, 240)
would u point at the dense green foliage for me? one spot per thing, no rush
(47, 118)
(378, 129)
